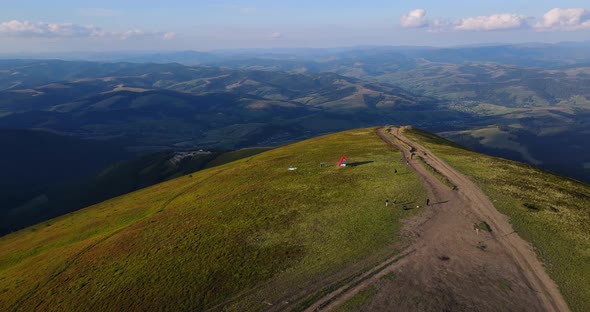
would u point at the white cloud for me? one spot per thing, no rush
(140, 33)
(492, 22)
(439, 26)
(26, 29)
(414, 19)
(559, 19)
(16, 28)
(99, 12)
(131, 33)
(276, 35)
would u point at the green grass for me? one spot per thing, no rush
(235, 155)
(549, 211)
(240, 234)
(351, 281)
(436, 173)
(484, 226)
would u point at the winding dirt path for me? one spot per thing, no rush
(451, 266)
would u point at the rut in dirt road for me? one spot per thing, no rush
(451, 266)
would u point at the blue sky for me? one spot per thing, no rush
(42, 26)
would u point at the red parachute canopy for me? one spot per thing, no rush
(342, 161)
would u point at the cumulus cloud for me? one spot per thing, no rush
(133, 33)
(492, 22)
(414, 19)
(140, 33)
(559, 19)
(16, 28)
(437, 26)
(26, 29)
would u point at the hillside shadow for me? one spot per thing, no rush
(359, 163)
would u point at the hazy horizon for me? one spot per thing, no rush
(279, 50)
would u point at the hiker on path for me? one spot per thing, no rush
(387, 202)
(427, 201)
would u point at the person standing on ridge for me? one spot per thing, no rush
(427, 201)
(387, 202)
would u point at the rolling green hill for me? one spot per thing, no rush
(171, 106)
(238, 234)
(251, 232)
(538, 93)
(41, 92)
(498, 84)
(162, 119)
(551, 138)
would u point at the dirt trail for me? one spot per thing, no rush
(451, 266)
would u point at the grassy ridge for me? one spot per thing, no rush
(50, 199)
(551, 212)
(249, 228)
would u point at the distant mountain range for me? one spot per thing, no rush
(527, 54)
(171, 105)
